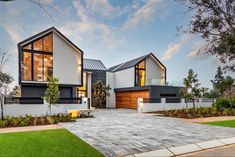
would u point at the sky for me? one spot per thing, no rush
(113, 31)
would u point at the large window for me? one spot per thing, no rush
(140, 74)
(37, 59)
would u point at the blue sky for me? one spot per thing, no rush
(113, 31)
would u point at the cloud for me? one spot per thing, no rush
(174, 48)
(13, 32)
(143, 14)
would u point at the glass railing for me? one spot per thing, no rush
(155, 82)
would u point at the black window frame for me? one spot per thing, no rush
(32, 51)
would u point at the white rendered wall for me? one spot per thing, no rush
(110, 80)
(152, 107)
(39, 109)
(153, 72)
(125, 78)
(89, 86)
(66, 62)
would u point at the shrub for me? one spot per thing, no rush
(221, 103)
(33, 121)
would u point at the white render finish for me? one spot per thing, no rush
(152, 107)
(89, 75)
(154, 72)
(66, 62)
(111, 100)
(125, 78)
(40, 109)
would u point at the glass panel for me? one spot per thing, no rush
(37, 45)
(48, 43)
(140, 77)
(38, 69)
(142, 65)
(28, 47)
(84, 82)
(26, 67)
(48, 68)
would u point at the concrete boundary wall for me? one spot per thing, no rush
(152, 107)
(40, 109)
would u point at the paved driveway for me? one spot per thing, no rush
(119, 132)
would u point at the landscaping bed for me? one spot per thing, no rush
(199, 112)
(33, 121)
(47, 143)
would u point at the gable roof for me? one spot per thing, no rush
(49, 30)
(93, 64)
(132, 63)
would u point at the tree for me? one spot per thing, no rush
(214, 21)
(204, 91)
(192, 90)
(218, 77)
(226, 85)
(100, 92)
(214, 93)
(42, 5)
(52, 92)
(5, 81)
(16, 92)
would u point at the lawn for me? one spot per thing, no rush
(226, 123)
(47, 143)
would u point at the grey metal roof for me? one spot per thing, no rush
(132, 63)
(93, 64)
(127, 64)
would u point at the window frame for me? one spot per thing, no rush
(137, 69)
(78, 89)
(32, 51)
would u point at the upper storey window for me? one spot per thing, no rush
(140, 74)
(37, 59)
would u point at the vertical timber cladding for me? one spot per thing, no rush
(128, 99)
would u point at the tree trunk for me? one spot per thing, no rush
(194, 107)
(2, 115)
(50, 109)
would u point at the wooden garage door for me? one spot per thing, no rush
(129, 99)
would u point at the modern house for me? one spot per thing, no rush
(45, 54)
(51, 53)
(143, 77)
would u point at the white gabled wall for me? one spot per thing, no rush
(154, 72)
(125, 78)
(119, 79)
(66, 62)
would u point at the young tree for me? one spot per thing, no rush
(214, 21)
(192, 90)
(100, 92)
(5, 81)
(52, 92)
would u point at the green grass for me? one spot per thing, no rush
(47, 143)
(226, 123)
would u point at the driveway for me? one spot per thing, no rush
(120, 132)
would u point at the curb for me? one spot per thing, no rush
(189, 148)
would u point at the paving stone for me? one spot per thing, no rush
(184, 149)
(228, 140)
(156, 153)
(210, 144)
(121, 130)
